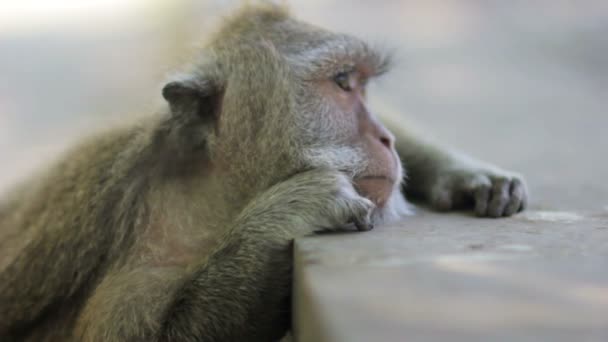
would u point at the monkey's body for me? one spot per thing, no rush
(179, 228)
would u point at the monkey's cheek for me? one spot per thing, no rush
(377, 190)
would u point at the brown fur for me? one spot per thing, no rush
(179, 228)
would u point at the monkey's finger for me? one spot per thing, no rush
(361, 211)
(524, 204)
(517, 192)
(499, 197)
(478, 188)
(481, 196)
(363, 227)
(363, 222)
(524, 200)
(442, 199)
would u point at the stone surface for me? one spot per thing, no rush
(540, 276)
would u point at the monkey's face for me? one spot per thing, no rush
(324, 75)
(343, 133)
(379, 172)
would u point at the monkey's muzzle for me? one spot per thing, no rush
(377, 189)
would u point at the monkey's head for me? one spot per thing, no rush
(270, 96)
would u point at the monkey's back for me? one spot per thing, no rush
(56, 232)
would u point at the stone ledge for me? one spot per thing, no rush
(435, 277)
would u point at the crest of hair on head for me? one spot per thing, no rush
(277, 6)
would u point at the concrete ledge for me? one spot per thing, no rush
(541, 276)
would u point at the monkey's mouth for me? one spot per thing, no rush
(377, 188)
(377, 177)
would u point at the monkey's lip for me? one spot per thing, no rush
(377, 188)
(376, 177)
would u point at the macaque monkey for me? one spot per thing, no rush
(179, 227)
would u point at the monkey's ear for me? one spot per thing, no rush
(191, 96)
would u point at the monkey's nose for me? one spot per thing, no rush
(376, 130)
(386, 138)
(386, 142)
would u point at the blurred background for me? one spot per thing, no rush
(520, 83)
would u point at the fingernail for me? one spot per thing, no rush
(362, 227)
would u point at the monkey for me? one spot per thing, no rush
(179, 226)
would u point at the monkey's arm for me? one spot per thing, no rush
(242, 291)
(54, 233)
(448, 179)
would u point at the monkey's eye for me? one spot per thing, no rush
(342, 79)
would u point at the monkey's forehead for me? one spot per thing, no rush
(310, 49)
(318, 50)
(334, 52)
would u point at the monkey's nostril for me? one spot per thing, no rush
(386, 142)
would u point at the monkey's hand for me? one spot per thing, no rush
(312, 201)
(490, 191)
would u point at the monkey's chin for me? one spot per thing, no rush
(395, 209)
(377, 189)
